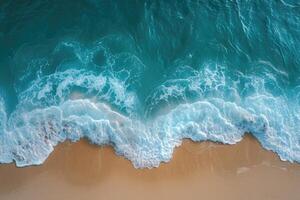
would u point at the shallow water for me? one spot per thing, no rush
(149, 73)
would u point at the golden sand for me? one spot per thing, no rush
(80, 171)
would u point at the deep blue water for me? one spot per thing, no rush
(143, 75)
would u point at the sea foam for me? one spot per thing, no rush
(29, 136)
(213, 103)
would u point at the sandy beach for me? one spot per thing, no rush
(197, 171)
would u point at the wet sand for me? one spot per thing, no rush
(80, 171)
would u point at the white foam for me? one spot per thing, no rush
(211, 104)
(35, 133)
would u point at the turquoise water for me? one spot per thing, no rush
(143, 75)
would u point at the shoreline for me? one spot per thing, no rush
(207, 170)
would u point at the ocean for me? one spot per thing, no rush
(142, 75)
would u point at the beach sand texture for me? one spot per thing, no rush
(197, 171)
